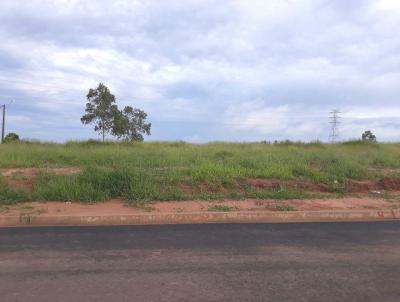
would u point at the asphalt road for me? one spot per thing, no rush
(223, 262)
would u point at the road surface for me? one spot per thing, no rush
(221, 262)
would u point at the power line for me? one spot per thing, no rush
(334, 121)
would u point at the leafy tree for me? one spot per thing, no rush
(11, 137)
(100, 109)
(368, 136)
(130, 124)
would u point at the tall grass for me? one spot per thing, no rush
(9, 196)
(156, 170)
(96, 185)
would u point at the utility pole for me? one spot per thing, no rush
(334, 121)
(3, 123)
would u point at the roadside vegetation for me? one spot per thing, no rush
(9, 195)
(145, 171)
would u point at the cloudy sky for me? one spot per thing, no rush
(204, 70)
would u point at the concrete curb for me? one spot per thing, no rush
(199, 217)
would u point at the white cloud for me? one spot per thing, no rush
(265, 67)
(387, 6)
(275, 122)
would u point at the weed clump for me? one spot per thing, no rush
(220, 208)
(9, 196)
(97, 185)
(284, 208)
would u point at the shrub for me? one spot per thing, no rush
(11, 137)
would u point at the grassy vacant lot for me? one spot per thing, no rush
(141, 172)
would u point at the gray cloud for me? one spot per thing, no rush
(205, 69)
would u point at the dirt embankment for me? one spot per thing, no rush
(272, 184)
(365, 186)
(352, 186)
(25, 178)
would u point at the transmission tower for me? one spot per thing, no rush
(334, 121)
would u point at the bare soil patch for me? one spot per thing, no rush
(352, 186)
(364, 186)
(119, 207)
(31, 172)
(24, 183)
(291, 184)
(51, 208)
(25, 178)
(349, 203)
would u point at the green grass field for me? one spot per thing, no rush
(140, 172)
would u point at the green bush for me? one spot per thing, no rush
(11, 138)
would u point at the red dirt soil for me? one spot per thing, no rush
(118, 207)
(291, 184)
(25, 178)
(353, 186)
(364, 186)
(32, 172)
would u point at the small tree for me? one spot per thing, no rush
(100, 109)
(368, 136)
(130, 124)
(11, 137)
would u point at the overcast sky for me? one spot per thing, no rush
(204, 70)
